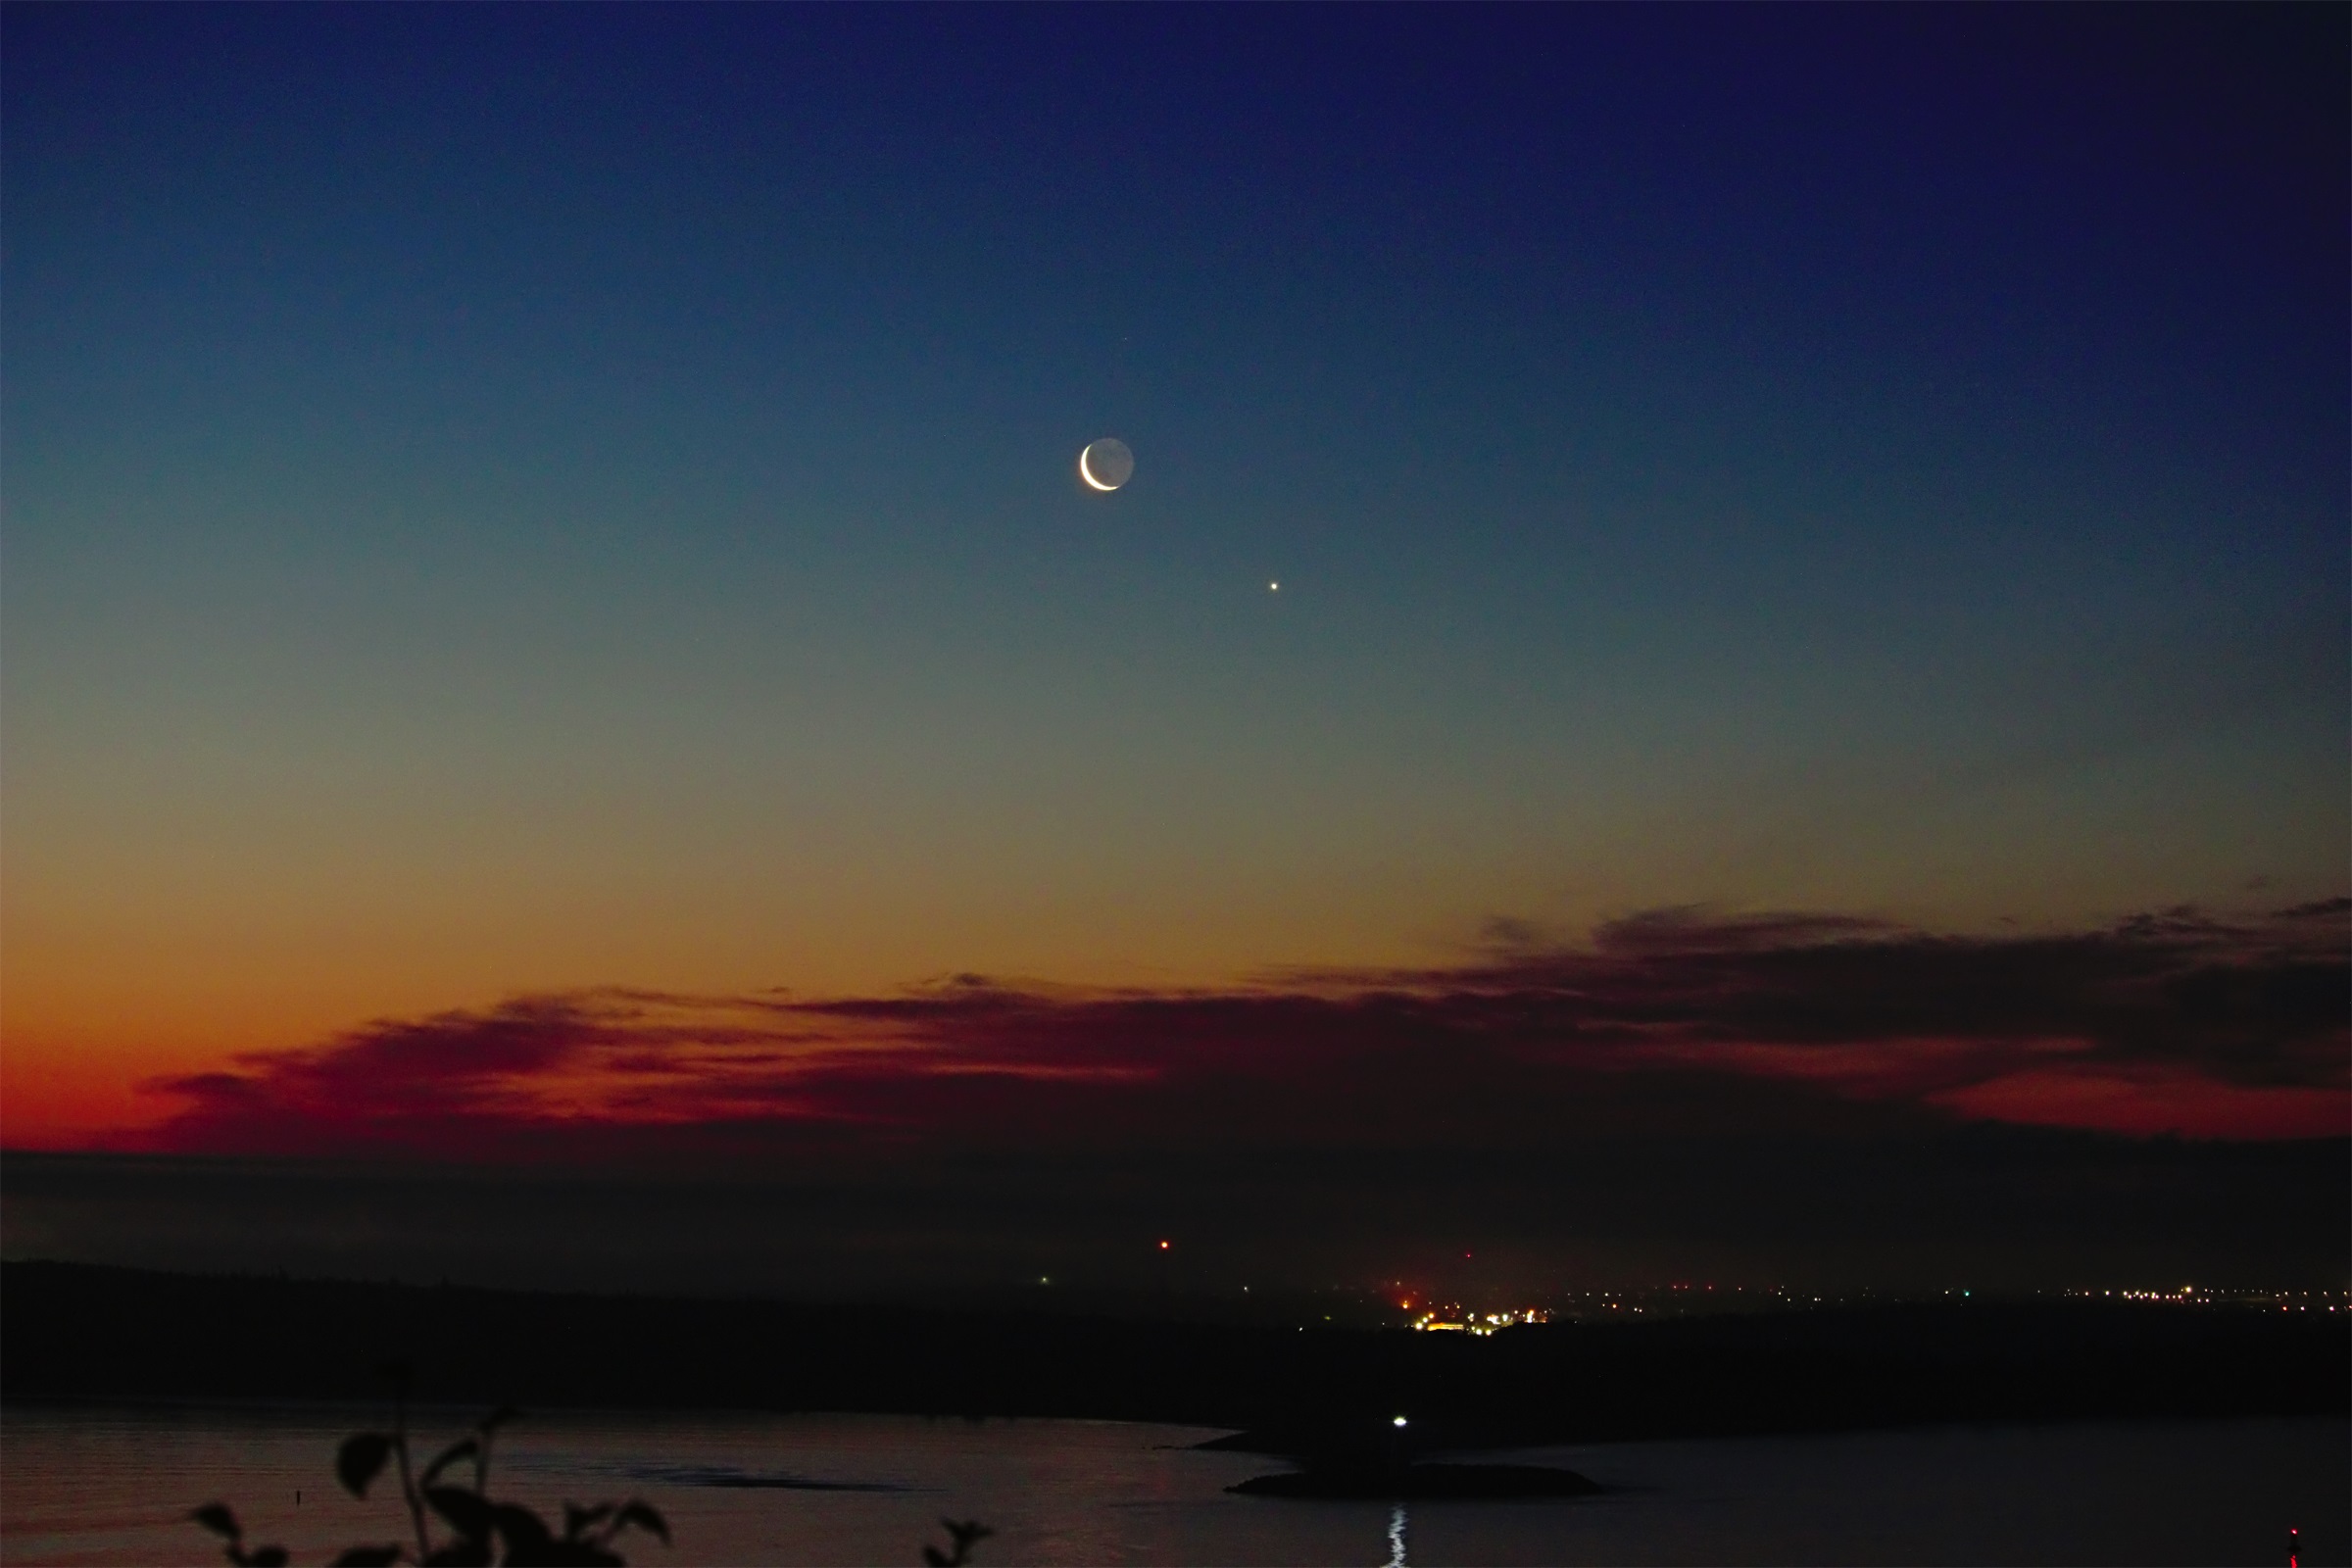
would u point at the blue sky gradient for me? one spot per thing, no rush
(513, 498)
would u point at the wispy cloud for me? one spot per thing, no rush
(1682, 1020)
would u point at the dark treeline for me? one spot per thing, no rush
(80, 1332)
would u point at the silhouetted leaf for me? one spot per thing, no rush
(463, 1507)
(962, 1533)
(461, 1554)
(644, 1516)
(368, 1557)
(520, 1529)
(447, 1457)
(360, 1459)
(577, 1518)
(268, 1557)
(497, 1418)
(216, 1517)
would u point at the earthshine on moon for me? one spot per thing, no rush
(1106, 464)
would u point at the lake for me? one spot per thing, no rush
(114, 1485)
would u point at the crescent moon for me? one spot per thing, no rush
(1087, 473)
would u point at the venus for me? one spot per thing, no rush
(1106, 464)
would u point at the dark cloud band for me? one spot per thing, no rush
(1682, 1021)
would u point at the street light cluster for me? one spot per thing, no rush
(1450, 1318)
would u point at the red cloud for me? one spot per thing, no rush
(1673, 1020)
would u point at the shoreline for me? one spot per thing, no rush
(88, 1334)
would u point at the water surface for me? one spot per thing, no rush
(112, 1486)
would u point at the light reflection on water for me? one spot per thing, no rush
(114, 1486)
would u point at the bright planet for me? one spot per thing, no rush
(1106, 464)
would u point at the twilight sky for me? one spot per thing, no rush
(514, 509)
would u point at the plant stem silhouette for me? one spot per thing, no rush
(964, 1534)
(480, 1530)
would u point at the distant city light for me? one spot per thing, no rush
(1399, 1421)
(1453, 1318)
(1681, 1298)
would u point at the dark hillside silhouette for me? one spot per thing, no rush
(78, 1331)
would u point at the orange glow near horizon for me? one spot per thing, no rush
(2091, 1037)
(2153, 1104)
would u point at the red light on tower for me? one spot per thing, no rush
(1163, 1247)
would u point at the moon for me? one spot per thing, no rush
(1106, 464)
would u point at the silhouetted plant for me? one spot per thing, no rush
(478, 1529)
(219, 1518)
(964, 1534)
